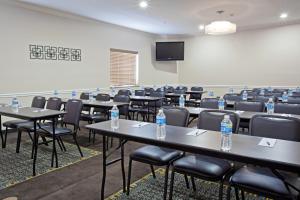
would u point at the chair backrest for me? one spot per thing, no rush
(123, 110)
(296, 94)
(294, 100)
(211, 120)
(124, 92)
(249, 106)
(274, 126)
(148, 90)
(103, 97)
(196, 96)
(169, 89)
(176, 116)
(73, 111)
(287, 108)
(54, 103)
(84, 96)
(158, 103)
(232, 97)
(263, 99)
(139, 93)
(178, 91)
(209, 103)
(181, 88)
(38, 102)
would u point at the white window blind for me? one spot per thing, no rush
(123, 67)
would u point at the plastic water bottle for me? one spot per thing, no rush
(290, 92)
(73, 94)
(270, 89)
(15, 104)
(270, 106)
(97, 90)
(245, 95)
(298, 89)
(285, 97)
(160, 125)
(113, 91)
(262, 92)
(231, 91)
(142, 87)
(55, 93)
(114, 115)
(91, 96)
(226, 131)
(211, 93)
(181, 101)
(221, 104)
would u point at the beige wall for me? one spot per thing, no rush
(23, 25)
(253, 58)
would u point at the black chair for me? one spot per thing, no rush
(251, 106)
(232, 97)
(123, 110)
(263, 99)
(85, 96)
(181, 88)
(53, 103)
(124, 92)
(135, 106)
(211, 103)
(194, 98)
(72, 117)
(148, 90)
(158, 156)
(169, 89)
(263, 181)
(37, 102)
(152, 105)
(294, 100)
(284, 108)
(202, 166)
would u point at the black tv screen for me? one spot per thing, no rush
(169, 51)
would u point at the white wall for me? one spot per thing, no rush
(254, 58)
(23, 25)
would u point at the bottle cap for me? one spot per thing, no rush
(270, 99)
(226, 116)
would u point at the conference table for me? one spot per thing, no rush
(282, 156)
(34, 115)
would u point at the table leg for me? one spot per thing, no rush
(123, 167)
(154, 117)
(1, 134)
(103, 167)
(148, 112)
(35, 145)
(54, 152)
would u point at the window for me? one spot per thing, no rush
(123, 67)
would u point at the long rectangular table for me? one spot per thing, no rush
(34, 115)
(283, 156)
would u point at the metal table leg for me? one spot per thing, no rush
(103, 167)
(54, 152)
(35, 145)
(1, 134)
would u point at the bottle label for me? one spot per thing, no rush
(226, 128)
(270, 106)
(114, 114)
(160, 121)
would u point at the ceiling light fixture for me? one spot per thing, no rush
(201, 27)
(220, 27)
(283, 15)
(143, 4)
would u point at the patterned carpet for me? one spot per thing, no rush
(147, 186)
(17, 167)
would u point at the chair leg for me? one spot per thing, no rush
(129, 176)
(32, 148)
(187, 181)
(243, 195)
(90, 134)
(75, 139)
(30, 136)
(94, 137)
(171, 185)
(18, 141)
(228, 196)
(152, 171)
(59, 144)
(237, 197)
(166, 182)
(193, 183)
(111, 142)
(44, 140)
(62, 144)
(221, 190)
(5, 137)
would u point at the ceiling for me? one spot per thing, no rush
(180, 17)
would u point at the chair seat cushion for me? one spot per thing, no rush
(203, 166)
(155, 155)
(13, 123)
(48, 130)
(92, 117)
(259, 179)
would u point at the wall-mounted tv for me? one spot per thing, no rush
(166, 51)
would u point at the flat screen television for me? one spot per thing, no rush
(166, 51)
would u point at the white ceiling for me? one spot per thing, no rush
(180, 16)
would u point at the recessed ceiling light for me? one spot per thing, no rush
(201, 27)
(143, 4)
(283, 15)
